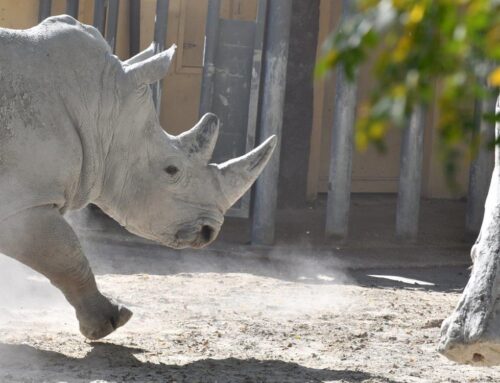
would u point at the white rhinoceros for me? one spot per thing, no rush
(78, 126)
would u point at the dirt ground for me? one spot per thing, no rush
(220, 320)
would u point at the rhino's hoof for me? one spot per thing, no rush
(103, 325)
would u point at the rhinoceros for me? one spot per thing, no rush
(78, 126)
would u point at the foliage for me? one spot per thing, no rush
(425, 51)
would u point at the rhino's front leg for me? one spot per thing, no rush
(42, 239)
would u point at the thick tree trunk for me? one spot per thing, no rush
(471, 334)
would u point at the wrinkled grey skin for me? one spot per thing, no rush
(78, 126)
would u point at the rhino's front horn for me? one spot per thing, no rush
(199, 141)
(150, 70)
(238, 174)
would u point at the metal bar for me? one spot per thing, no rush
(44, 9)
(99, 15)
(410, 177)
(253, 104)
(209, 53)
(112, 23)
(278, 20)
(256, 72)
(160, 33)
(341, 148)
(481, 169)
(72, 8)
(135, 27)
(160, 30)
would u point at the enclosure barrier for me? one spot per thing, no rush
(410, 176)
(267, 82)
(231, 84)
(341, 146)
(276, 41)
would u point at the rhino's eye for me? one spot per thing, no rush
(171, 170)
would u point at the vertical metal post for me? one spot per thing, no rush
(112, 23)
(209, 53)
(135, 27)
(159, 41)
(276, 42)
(341, 148)
(44, 9)
(253, 106)
(481, 169)
(72, 8)
(99, 15)
(410, 176)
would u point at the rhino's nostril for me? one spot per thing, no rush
(476, 358)
(207, 233)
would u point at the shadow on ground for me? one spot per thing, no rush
(111, 362)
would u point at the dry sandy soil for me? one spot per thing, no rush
(230, 321)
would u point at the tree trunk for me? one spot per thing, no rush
(471, 334)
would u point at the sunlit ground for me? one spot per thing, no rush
(310, 324)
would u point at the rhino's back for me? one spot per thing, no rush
(53, 50)
(40, 151)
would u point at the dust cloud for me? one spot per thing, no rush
(24, 292)
(286, 283)
(297, 276)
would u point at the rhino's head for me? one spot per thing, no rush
(164, 187)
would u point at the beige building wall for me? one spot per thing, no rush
(372, 172)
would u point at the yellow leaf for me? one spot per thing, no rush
(331, 57)
(494, 77)
(398, 91)
(402, 49)
(377, 130)
(416, 14)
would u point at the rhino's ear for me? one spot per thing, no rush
(237, 175)
(141, 56)
(152, 69)
(199, 141)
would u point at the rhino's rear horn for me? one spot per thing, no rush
(238, 174)
(199, 141)
(151, 69)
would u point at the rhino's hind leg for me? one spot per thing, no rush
(41, 239)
